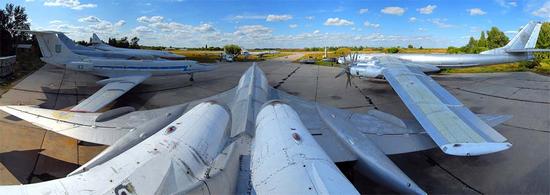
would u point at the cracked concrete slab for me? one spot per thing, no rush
(522, 169)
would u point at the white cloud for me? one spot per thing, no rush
(277, 18)
(143, 29)
(506, 3)
(543, 11)
(248, 17)
(337, 22)
(441, 23)
(476, 12)
(253, 31)
(91, 19)
(293, 26)
(393, 11)
(316, 32)
(152, 19)
(55, 22)
(363, 11)
(205, 28)
(371, 25)
(427, 10)
(412, 19)
(120, 23)
(310, 17)
(73, 4)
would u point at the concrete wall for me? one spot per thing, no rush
(6, 65)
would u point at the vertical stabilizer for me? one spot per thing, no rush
(96, 39)
(53, 50)
(526, 37)
(524, 41)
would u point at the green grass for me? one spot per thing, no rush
(512, 67)
(543, 68)
(214, 56)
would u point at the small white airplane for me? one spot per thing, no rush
(260, 54)
(122, 74)
(98, 44)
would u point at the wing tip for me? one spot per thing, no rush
(474, 149)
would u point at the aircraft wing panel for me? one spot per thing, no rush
(115, 87)
(80, 126)
(454, 128)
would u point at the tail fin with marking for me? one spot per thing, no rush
(54, 51)
(524, 41)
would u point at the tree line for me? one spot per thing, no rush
(12, 19)
(495, 38)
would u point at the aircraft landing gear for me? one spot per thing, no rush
(191, 79)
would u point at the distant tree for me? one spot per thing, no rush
(496, 38)
(454, 50)
(12, 19)
(410, 46)
(134, 43)
(391, 50)
(232, 49)
(420, 47)
(84, 43)
(482, 40)
(544, 41)
(344, 51)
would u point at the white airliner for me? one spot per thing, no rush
(122, 74)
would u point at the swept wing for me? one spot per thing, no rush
(453, 127)
(114, 88)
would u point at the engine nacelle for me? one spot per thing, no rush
(366, 70)
(286, 159)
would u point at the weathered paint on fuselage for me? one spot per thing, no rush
(109, 67)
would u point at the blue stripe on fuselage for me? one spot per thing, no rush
(184, 68)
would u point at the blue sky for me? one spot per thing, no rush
(285, 23)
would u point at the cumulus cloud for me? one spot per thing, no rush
(277, 18)
(248, 17)
(371, 25)
(205, 28)
(363, 11)
(543, 11)
(120, 23)
(55, 22)
(152, 19)
(253, 31)
(338, 22)
(91, 19)
(506, 3)
(412, 19)
(398, 11)
(476, 12)
(427, 10)
(293, 26)
(142, 29)
(73, 4)
(441, 23)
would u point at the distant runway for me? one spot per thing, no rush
(30, 154)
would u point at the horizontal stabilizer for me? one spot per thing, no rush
(526, 50)
(114, 88)
(81, 126)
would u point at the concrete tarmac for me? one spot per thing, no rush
(29, 154)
